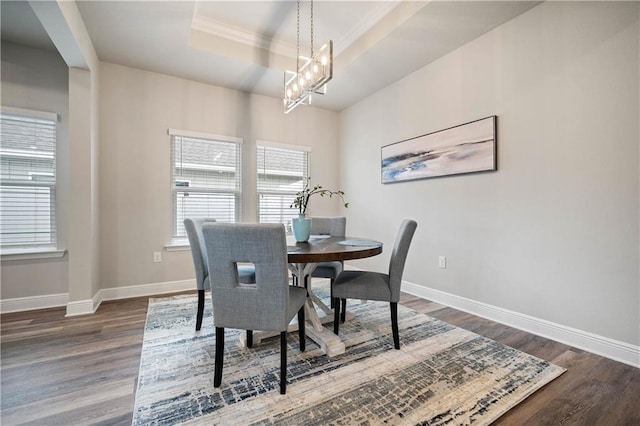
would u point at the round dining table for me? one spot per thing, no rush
(303, 258)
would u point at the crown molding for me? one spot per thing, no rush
(364, 25)
(249, 38)
(241, 35)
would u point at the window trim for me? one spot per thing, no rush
(31, 113)
(182, 243)
(278, 145)
(42, 250)
(32, 254)
(202, 135)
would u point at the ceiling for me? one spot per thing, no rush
(247, 45)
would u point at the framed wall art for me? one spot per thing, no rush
(466, 148)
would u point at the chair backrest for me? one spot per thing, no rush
(399, 256)
(193, 226)
(259, 306)
(334, 226)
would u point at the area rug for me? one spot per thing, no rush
(441, 375)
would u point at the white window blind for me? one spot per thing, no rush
(206, 179)
(282, 171)
(27, 179)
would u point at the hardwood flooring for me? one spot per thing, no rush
(83, 370)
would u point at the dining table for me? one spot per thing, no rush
(303, 258)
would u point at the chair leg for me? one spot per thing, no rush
(249, 338)
(343, 310)
(217, 375)
(394, 325)
(301, 333)
(336, 316)
(331, 289)
(200, 309)
(283, 362)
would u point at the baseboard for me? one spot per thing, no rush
(20, 304)
(84, 307)
(89, 306)
(604, 346)
(115, 293)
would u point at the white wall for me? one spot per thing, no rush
(37, 79)
(552, 234)
(136, 109)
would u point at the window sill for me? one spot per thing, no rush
(32, 254)
(178, 245)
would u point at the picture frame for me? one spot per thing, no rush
(466, 148)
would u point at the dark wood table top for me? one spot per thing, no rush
(329, 249)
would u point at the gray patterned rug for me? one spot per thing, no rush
(441, 375)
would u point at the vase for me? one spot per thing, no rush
(301, 228)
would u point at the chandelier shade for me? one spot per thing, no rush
(311, 74)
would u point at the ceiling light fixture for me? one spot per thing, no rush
(312, 73)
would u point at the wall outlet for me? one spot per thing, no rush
(157, 257)
(442, 262)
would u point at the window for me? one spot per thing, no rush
(206, 178)
(282, 170)
(27, 179)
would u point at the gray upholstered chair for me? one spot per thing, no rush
(335, 227)
(193, 227)
(369, 285)
(269, 304)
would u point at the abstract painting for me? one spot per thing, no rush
(466, 148)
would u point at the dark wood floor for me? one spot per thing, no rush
(83, 370)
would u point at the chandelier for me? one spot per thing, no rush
(312, 73)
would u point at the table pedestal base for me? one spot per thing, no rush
(328, 342)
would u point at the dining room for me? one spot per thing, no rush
(545, 243)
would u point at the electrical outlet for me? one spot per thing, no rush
(157, 256)
(442, 262)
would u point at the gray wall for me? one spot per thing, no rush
(38, 80)
(136, 109)
(554, 232)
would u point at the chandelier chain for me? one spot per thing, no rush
(311, 29)
(298, 40)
